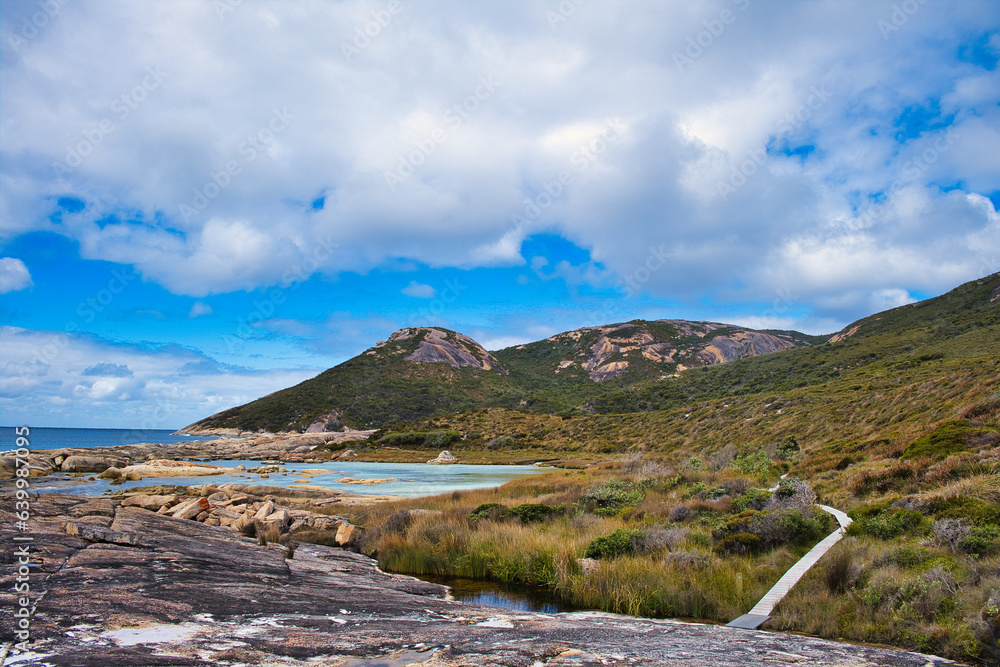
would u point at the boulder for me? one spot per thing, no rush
(165, 468)
(100, 534)
(348, 533)
(265, 509)
(282, 519)
(443, 458)
(85, 464)
(151, 503)
(111, 473)
(190, 509)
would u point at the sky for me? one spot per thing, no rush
(205, 201)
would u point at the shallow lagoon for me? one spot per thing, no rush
(412, 480)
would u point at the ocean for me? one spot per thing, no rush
(55, 438)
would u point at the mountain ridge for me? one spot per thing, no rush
(635, 366)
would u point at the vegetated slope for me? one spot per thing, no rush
(637, 366)
(427, 371)
(957, 325)
(848, 404)
(570, 369)
(416, 373)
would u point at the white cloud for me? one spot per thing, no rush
(884, 299)
(191, 141)
(48, 375)
(419, 290)
(14, 275)
(199, 308)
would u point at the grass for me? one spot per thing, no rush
(917, 597)
(665, 568)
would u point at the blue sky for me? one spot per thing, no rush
(203, 202)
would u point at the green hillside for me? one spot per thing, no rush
(632, 367)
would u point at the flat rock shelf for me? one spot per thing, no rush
(149, 589)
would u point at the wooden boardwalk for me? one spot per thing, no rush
(762, 610)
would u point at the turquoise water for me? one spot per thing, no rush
(411, 480)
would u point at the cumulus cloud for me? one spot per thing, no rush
(49, 374)
(781, 153)
(14, 275)
(199, 308)
(419, 290)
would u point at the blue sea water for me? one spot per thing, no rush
(56, 438)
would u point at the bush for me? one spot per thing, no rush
(883, 522)
(842, 573)
(420, 439)
(619, 543)
(501, 442)
(739, 543)
(980, 541)
(611, 497)
(492, 511)
(754, 499)
(679, 513)
(757, 465)
(948, 438)
(535, 512)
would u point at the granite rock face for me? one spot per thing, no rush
(114, 586)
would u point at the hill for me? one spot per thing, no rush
(427, 371)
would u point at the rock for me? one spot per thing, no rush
(443, 458)
(265, 509)
(111, 473)
(85, 464)
(347, 453)
(165, 468)
(190, 509)
(348, 533)
(588, 565)
(209, 597)
(241, 468)
(282, 519)
(151, 503)
(99, 534)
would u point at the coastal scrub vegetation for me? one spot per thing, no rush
(688, 495)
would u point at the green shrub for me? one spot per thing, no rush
(976, 512)
(420, 439)
(947, 439)
(757, 465)
(535, 512)
(739, 543)
(610, 498)
(980, 541)
(909, 556)
(754, 499)
(883, 522)
(619, 543)
(488, 511)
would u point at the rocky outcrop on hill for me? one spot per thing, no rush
(113, 586)
(454, 349)
(609, 351)
(742, 344)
